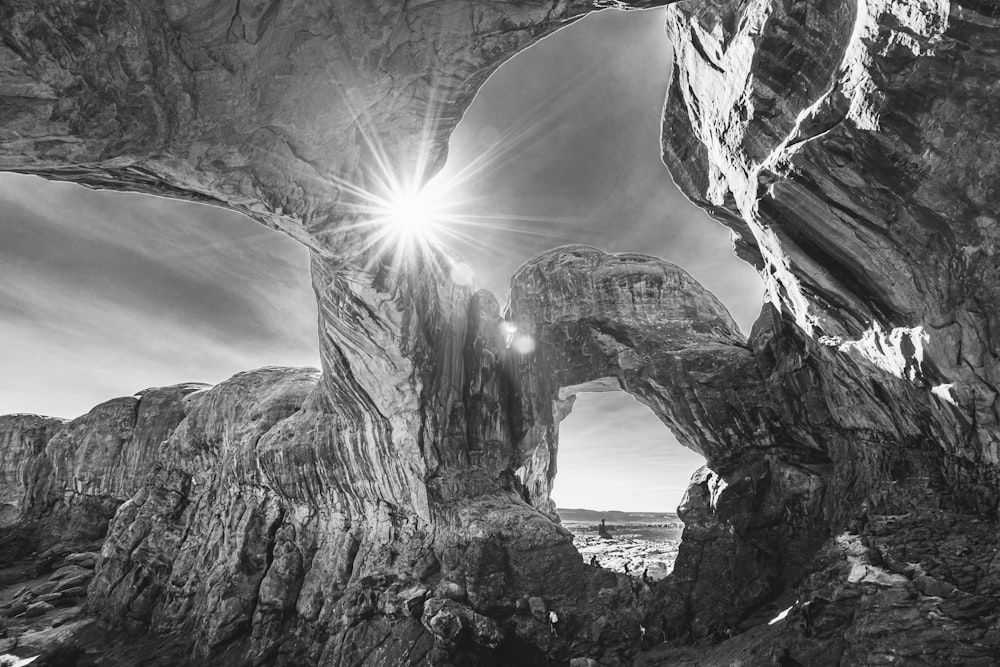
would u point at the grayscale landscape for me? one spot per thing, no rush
(314, 313)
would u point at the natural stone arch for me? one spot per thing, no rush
(268, 108)
(279, 110)
(637, 319)
(781, 148)
(642, 324)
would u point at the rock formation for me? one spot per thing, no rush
(65, 479)
(395, 508)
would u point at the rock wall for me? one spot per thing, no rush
(63, 480)
(858, 179)
(22, 439)
(844, 144)
(395, 508)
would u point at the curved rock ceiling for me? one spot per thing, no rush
(395, 509)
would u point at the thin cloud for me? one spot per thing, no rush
(103, 294)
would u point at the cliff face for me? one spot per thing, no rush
(64, 479)
(22, 438)
(858, 178)
(395, 508)
(845, 146)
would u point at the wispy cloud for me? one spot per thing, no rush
(103, 294)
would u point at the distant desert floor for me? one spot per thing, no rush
(634, 549)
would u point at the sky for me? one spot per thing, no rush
(614, 454)
(586, 103)
(104, 294)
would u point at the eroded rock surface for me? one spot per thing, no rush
(394, 509)
(22, 438)
(857, 178)
(64, 479)
(268, 107)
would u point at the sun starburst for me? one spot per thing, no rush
(411, 216)
(403, 214)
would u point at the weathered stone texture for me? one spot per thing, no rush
(66, 478)
(395, 509)
(267, 107)
(853, 157)
(22, 439)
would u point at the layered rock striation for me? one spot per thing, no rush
(394, 509)
(857, 179)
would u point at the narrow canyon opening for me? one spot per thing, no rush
(620, 465)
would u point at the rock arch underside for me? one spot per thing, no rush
(394, 509)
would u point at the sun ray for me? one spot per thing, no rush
(400, 212)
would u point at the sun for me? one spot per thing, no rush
(411, 215)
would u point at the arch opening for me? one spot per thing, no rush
(561, 146)
(620, 477)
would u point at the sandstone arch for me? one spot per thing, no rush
(837, 154)
(647, 326)
(635, 320)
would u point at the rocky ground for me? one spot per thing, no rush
(632, 549)
(41, 604)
